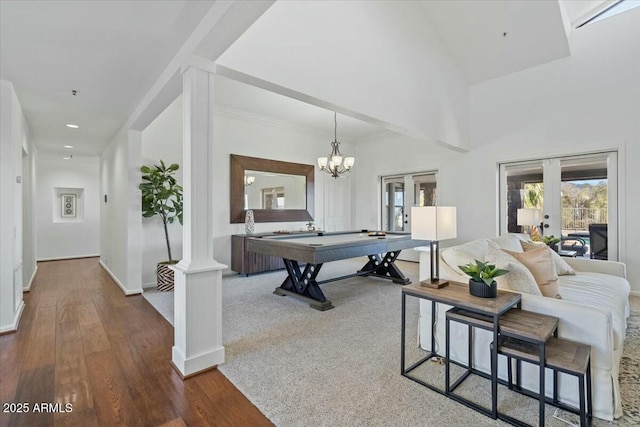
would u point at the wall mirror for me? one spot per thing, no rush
(276, 191)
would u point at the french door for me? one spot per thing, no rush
(399, 194)
(576, 196)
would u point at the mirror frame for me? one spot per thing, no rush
(239, 164)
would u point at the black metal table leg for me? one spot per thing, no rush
(494, 369)
(542, 391)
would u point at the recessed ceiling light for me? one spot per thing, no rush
(72, 126)
(66, 158)
(68, 146)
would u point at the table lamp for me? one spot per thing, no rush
(529, 217)
(433, 223)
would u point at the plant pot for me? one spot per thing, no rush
(482, 290)
(165, 276)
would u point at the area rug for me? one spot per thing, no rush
(303, 367)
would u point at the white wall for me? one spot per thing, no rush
(373, 58)
(15, 141)
(161, 140)
(234, 133)
(587, 102)
(120, 225)
(398, 156)
(68, 237)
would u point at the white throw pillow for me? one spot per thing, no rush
(510, 242)
(464, 254)
(518, 279)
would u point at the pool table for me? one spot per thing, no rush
(316, 248)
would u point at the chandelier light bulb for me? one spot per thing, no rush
(349, 162)
(322, 162)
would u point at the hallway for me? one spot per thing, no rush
(105, 359)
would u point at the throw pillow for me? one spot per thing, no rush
(562, 268)
(519, 278)
(509, 241)
(542, 267)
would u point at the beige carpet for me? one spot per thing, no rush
(303, 367)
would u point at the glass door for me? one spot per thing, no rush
(577, 198)
(393, 208)
(399, 194)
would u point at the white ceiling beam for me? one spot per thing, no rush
(219, 28)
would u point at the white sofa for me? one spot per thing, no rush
(593, 310)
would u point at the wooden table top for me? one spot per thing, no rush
(457, 294)
(560, 353)
(521, 324)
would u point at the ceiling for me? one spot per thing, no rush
(111, 52)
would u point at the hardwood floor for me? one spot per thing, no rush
(105, 358)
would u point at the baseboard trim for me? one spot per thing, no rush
(635, 293)
(68, 257)
(150, 285)
(33, 277)
(16, 321)
(118, 282)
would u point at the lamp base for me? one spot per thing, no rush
(435, 284)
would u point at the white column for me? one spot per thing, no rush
(198, 277)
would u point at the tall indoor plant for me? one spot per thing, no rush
(162, 196)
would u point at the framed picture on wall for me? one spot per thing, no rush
(68, 205)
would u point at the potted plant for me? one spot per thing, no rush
(482, 282)
(162, 196)
(552, 241)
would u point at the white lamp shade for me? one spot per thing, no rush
(433, 223)
(322, 162)
(528, 216)
(336, 160)
(349, 162)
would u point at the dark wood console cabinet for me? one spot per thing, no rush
(245, 262)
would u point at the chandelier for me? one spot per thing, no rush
(335, 164)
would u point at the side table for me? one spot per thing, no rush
(457, 295)
(526, 326)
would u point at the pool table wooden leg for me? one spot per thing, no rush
(384, 268)
(303, 285)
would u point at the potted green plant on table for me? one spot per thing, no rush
(552, 241)
(482, 283)
(162, 196)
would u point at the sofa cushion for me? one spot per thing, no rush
(562, 268)
(541, 265)
(518, 279)
(599, 290)
(464, 254)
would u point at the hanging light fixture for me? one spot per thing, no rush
(335, 165)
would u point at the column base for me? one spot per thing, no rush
(198, 364)
(197, 317)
